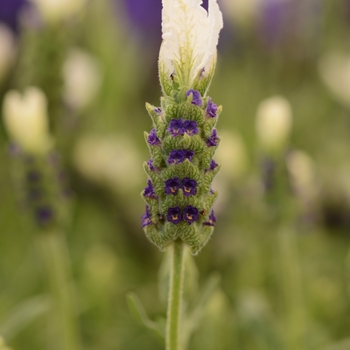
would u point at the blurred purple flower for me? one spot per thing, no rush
(9, 10)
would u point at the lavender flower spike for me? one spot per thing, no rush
(183, 135)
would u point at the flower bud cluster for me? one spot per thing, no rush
(178, 196)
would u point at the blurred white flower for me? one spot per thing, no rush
(334, 70)
(274, 123)
(8, 50)
(302, 170)
(82, 79)
(112, 161)
(26, 119)
(190, 36)
(56, 10)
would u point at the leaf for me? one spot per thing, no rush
(139, 313)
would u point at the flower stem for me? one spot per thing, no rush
(175, 297)
(56, 259)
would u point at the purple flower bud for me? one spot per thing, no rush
(151, 165)
(191, 214)
(174, 215)
(146, 217)
(212, 166)
(189, 187)
(196, 97)
(176, 127)
(190, 127)
(158, 110)
(149, 190)
(211, 221)
(213, 139)
(152, 138)
(211, 109)
(172, 186)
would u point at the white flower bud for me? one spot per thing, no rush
(8, 50)
(82, 79)
(274, 123)
(55, 10)
(334, 69)
(190, 37)
(26, 119)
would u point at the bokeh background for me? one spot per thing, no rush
(284, 278)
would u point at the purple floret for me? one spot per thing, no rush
(191, 214)
(213, 139)
(176, 156)
(176, 127)
(44, 215)
(146, 217)
(188, 154)
(189, 186)
(151, 165)
(172, 186)
(211, 221)
(174, 215)
(212, 108)
(196, 97)
(152, 138)
(190, 127)
(149, 190)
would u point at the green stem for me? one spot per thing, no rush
(175, 297)
(56, 258)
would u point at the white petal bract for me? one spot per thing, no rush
(190, 37)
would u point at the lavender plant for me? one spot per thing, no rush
(182, 143)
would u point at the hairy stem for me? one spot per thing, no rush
(56, 259)
(175, 297)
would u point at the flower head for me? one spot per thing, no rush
(174, 215)
(176, 156)
(191, 214)
(188, 154)
(190, 36)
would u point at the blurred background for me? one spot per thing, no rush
(281, 243)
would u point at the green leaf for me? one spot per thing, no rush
(139, 313)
